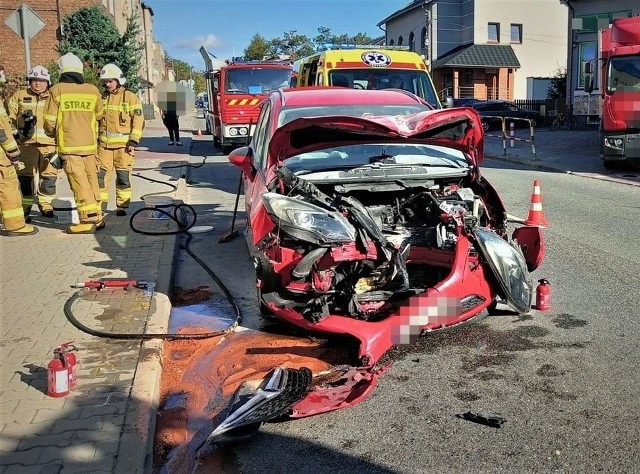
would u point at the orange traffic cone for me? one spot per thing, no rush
(536, 216)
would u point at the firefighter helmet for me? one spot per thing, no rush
(70, 63)
(39, 72)
(111, 71)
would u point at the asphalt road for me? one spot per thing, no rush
(566, 382)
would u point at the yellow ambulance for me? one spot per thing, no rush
(368, 67)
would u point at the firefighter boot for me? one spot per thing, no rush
(26, 230)
(82, 228)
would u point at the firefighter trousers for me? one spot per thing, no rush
(10, 197)
(82, 172)
(38, 177)
(118, 159)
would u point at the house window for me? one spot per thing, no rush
(494, 32)
(516, 33)
(400, 41)
(412, 42)
(587, 54)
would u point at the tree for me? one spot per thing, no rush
(184, 72)
(293, 44)
(258, 48)
(91, 35)
(558, 86)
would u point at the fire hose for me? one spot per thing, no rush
(179, 216)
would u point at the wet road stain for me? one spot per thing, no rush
(549, 370)
(567, 321)
(488, 375)
(544, 387)
(467, 396)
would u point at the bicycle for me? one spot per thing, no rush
(563, 120)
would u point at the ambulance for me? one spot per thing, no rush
(368, 67)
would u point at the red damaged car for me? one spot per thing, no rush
(368, 217)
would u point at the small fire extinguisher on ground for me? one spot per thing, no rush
(543, 295)
(62, 371)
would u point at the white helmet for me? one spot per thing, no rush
(111, 71)
(70, 63)
(39, 72)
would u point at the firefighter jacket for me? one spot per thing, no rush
(71, 115)
(8, 147)
(19, 104)
(123, 120)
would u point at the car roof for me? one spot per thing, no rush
(328, 96)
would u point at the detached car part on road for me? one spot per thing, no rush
(368, 218)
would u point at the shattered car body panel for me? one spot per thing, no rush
(380, 228)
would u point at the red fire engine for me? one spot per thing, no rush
(619, 84)
(235, 89)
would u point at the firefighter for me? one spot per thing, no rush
(10, 198)
(120, 132)
(71, 114)
(26, 109)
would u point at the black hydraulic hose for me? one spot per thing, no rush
(179, 216)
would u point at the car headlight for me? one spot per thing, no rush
(233, 132)
(243, 131)
(509, 267)
(307, 221)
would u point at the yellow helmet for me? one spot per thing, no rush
(111, 71)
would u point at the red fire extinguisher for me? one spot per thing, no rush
(62, 371)
(543, 295)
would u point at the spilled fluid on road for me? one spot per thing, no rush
(199, 378)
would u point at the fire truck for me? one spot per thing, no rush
(619, 88)
(235, 88)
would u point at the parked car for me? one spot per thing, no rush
(368, 220)
(465, 102)
(501, 108)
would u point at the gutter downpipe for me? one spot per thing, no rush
(569, 86)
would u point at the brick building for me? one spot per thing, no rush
(43, 45)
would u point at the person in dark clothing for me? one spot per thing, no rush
(170, 120)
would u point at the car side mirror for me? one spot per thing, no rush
(448, 103)
(243, 158)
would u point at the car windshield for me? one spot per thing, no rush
(256, 80)
(288, 114)
(413, 81)
(376, 154)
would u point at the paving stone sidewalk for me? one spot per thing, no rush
(106, 424)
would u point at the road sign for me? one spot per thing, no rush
(32, 22)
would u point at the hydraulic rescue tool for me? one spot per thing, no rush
(113, 283)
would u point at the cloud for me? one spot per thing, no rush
(209, 42)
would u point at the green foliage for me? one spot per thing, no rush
(299, 45)
(185, 72)
(91, 35)
(558, 87)
(258, 48)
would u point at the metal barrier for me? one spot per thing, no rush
(511, 134)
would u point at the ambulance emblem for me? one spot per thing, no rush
(375, 59)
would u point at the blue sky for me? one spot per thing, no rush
(225, 27)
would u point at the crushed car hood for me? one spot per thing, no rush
(458, 128)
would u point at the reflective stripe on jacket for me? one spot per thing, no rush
(71, 114)
(123, 119)
(8, 146)
(18, 104)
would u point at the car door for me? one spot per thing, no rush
(253, 186)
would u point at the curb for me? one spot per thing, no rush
(135, 450)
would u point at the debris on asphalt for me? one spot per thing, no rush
(491, 421)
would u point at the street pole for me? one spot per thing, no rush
(25, 35)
